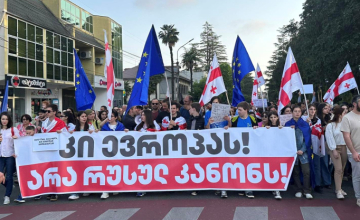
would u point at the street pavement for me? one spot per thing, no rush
(182, 206)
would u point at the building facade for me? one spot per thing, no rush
(182, 83)
(37, 44)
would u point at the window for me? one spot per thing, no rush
(25, 48)
(116, 35)
(70, 13)
(59, 54)
(86, 21)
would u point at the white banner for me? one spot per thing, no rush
(159, 161)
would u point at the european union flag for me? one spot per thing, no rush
(241, 66)
(4, 102)
(151, 64)
(84, 93)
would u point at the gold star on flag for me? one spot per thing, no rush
(239, 72)
(233, 63)
(139, 80)
(78, 75)
(145, 54)
(239, 64)
(78, 82)
(237, 59)
(90, 91)
(145, 63)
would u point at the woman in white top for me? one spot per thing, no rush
(7, 152)
(336, 144)
(69, 120)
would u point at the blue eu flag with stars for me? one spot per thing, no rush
(84, 93)
(241, 66)
(151, 64)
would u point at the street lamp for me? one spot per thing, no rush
(177, 64)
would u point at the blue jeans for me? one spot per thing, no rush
(9, 164)
(321, 169)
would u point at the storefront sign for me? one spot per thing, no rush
(24, 82)
(48, 93)
(101, 82)
(217, 159)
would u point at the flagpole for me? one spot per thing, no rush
(227, 97)
(168, 90)
(302, 86)
(262, 99)
(357, 90)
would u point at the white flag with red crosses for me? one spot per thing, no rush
(342, 84)
(214, 83)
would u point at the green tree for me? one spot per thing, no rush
(127, 89)
(210, 43)
(169, 37)
(190, 60)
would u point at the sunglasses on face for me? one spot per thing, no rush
(24, 119)
(154, 103)
(48, 111)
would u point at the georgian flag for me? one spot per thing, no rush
(214, 83)
(290, 82)
(318, 139)
(342, 84)
(110, 76)
(259, 76)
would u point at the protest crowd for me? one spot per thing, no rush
(339, 124)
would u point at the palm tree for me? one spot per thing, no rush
(169, 36)
(189, 59)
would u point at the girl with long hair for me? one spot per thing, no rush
(69, 120)
(337, 148)
(147, 123)
(321, 163)
(273, 121)
(7, 153)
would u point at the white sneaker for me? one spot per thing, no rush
(343, 192)
(298, 195)
(116, 193)
(104, 196)
(277, 195)
(339, 195)
(6, 200)
(358, 202)
(308, 196)
(86, 194)
(73, 197)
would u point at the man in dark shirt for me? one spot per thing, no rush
(155, 108)
(129, 119)
(184, 110)
(196, 121)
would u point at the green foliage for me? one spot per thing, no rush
(327, 36)
(210, 43)
(154, 81)
(128, 90)
(190, 60)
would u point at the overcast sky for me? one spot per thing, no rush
(255, 21)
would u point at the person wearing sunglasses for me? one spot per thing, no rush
(25, 121)
(69, 120)
(155, 108)
(264, 120)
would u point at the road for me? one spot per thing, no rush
(183, 206)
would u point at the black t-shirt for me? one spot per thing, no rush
(129, 122)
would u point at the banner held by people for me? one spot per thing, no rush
(214, 83)
(233, 159)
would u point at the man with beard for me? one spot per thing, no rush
(350, 128)
(184, 110)
(164, 113)
(39, 120)
(155, 108)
